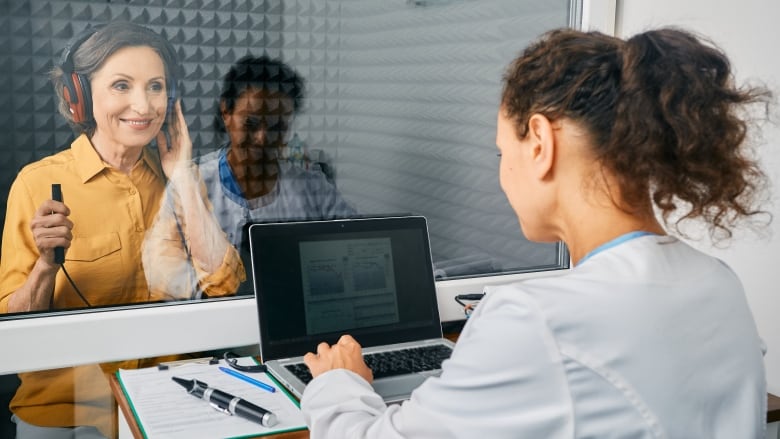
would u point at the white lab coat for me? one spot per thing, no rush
(648, 339)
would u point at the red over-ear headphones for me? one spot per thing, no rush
(76, 90)
(76, 86)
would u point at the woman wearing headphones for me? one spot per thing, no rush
(135, 224)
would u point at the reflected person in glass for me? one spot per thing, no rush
(250, 178)
(115, 186)
(646, 335)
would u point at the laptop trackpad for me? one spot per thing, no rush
(398, 387)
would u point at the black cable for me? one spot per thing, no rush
(468, 308)
(461, 297)
(231, 359)
(73, 284)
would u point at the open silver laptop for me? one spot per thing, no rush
(371, 278)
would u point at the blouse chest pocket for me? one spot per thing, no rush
(97, 265)
(92, 248)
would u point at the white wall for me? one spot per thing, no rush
(747, 31)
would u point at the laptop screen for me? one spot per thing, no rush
(314, 281)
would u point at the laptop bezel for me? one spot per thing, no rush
(272, 350)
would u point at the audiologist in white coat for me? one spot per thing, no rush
(645, 337)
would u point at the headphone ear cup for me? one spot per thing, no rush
(77, 94)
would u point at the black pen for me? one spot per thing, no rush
(228, 403)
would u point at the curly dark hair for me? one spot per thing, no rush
(663, 114)
(262, 73)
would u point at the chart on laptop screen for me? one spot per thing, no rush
(348, 284)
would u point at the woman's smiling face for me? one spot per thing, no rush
(129, 98)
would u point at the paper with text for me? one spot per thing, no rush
(164, 409)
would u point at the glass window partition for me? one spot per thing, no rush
(398, 112)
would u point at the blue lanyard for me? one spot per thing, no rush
(228, 180)
(615, 242)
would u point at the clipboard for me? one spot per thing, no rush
(162, 408)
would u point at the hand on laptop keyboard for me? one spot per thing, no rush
(346, 354)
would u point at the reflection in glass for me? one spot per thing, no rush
(250, 178)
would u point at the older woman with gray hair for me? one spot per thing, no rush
(131, 213)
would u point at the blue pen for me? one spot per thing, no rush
(241, 376)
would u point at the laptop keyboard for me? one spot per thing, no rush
(392, 363)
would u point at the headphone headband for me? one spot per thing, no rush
(66, 60)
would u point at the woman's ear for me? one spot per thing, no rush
(541, 136)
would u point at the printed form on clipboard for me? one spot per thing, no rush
(164, 409)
